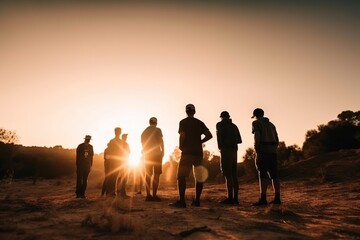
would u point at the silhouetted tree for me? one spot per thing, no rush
(7, 136)
(342, 133)
(249, 164)
(212, 164)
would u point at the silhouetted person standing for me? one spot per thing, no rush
(191, 131)
(153, 150)
(84, 161)
(115, 157)
(105, 187)
(228, 138)
(123, 174)
(266, 142)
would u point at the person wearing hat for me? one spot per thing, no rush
(84, 161)
(266, 142)
(228, 138)
(191, 141)
(153, 151)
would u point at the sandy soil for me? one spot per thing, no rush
(49, 210)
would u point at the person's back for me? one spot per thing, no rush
(115, 148)
(228, 135)
(151, 139)
(84, 155)
(193, 129)
(266, 138)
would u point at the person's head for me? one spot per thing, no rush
(225, 115)
(258, 113)
(153, 121)
(190, 109)
(117, 131)
(124, 137)
(87, 138)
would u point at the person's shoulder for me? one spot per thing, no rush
(197, 120)
(184, 119)
(146, 129)
(255, 121)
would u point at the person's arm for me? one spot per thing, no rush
(181, 136)
(207, 137)
(219, 136)
(78, 155)
(181, 140)
(276, 135)
(239, 140)
(257, 135)
(162, 146)
(91, 156)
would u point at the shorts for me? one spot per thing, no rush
(153, 165)
(266, 164)
(186, 164)
(229, 162)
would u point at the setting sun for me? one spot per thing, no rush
(135, 155)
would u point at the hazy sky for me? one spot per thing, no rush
(68, 70)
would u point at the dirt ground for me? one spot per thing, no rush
(49, 210)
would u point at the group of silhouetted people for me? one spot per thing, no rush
(115, 159)
(192, 134)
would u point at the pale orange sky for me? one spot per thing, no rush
(68, 70)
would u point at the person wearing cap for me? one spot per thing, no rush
(153, 151)
(266, 142)
(191, 141)
(228, 138)
(84, 161)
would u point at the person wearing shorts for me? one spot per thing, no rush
(191, 131)
(266, 142)
(228, 138)
(153, 150)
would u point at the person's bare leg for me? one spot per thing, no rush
(236, 188)
(263, 187)
(198, 188)
(155, 184)
(182, 188)
(276, 187)
(229, 186)
(147, 184)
